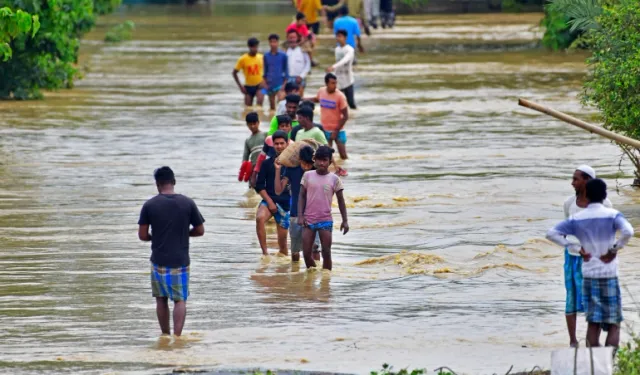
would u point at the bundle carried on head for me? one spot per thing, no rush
(290, 157)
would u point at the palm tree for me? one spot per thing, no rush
(582, 14)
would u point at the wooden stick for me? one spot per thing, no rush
(581, 124)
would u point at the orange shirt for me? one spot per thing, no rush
(310, 9)
(331, 107)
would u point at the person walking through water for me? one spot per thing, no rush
(275, 71)
(252, 66)
(350, 25)
(172, 218)
(299, 62)
(273, 205)
(343, 68)
(334, 114)
(573, 262)
(314, 208)
(596, 227)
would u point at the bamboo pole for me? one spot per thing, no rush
(581, 124)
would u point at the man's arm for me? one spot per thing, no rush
(558, 235)
(307, 65)
(279, 183)
(345, 60)
(314, 99)
(302, 203)
(626, 231)
(334, 8)
(359, 44)
(261, 188)
(235, 77)
(143, 233)
(285, 70)
(265, 71)
(197, 231)
(343, 212)
(247, 152)
(345, 117)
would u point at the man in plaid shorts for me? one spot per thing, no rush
(173, 218)
(596, 227)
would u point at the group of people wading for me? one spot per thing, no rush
(300, 198)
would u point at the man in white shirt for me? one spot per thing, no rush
(596, 227)
(573, 262)
(298, 61)
(343, 68)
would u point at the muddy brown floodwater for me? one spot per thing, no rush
(451, 189)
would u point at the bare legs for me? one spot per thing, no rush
(571, 328)
(262, 216)
(593, 335)
(179, 315)
(308, 237)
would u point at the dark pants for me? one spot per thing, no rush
(314, 27)
(348, 92)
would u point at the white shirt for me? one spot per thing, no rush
(344, 65)
(282, 107)
(571, 207)
(595, 227)
(299, 62)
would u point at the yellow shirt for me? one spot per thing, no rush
(310, 9)
(252, 67)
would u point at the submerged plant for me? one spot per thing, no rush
(118, 33)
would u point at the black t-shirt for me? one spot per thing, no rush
(266, 181)
(170, 217)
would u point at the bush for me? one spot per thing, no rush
(47, 60)
(13, 25)
(557, 34)
(388, 370)
(613, 85)
(628, 362)
(120, 32)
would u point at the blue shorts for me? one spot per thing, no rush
(281, 216)
(342, 136)
(323, 225)
(273, 90)
(170, 282)
(602, 301)
(573, 283)
(303, 83)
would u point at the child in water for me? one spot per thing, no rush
(314, 207)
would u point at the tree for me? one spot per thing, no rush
(47, 60)
(13, 25)
(613, 83)
(566, 20)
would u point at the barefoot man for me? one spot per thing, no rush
(173, 218)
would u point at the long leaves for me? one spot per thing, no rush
(582, 14)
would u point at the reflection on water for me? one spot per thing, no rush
(451, 187)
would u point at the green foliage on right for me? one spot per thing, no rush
(566, 21)
(557, 35)
(613, 85)
(628, 358)
(388, 370)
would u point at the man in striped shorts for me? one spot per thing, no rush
(173, 218)
(596, 227)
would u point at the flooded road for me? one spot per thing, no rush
(451, 189)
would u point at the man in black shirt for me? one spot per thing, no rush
(173, 218)
(273, 205)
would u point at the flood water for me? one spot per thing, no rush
(452, 187)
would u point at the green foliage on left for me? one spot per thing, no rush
(48, 59)
(13, 25)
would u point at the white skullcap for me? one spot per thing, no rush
(588, 170)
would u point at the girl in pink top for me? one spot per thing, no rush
(314, 207)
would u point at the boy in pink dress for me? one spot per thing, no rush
(314, 207)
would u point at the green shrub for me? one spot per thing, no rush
(120, 32)
(628, 358)
(47, 60)
(388, 370)
(13, 25)
(613, 83)
(557, 34)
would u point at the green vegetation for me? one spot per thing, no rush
(47, 59)
(628, 358)
(388, 370)
(120, 32)
(13, 25)
(613, 83)
(566, 21)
